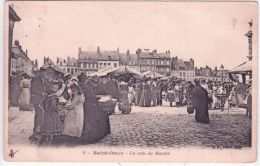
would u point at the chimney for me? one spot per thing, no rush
(79, 49)
(98, 50)
(127, 52)
(68, 60)
(146, 50)
(117, 50)
(26, 52)
(36, 63)
(16, 43)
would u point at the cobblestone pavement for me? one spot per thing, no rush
(162, 127)
(172, 127)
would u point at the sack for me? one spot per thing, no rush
(190, 110)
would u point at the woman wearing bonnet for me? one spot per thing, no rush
(73, 123)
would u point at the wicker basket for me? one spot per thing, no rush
(107, 105)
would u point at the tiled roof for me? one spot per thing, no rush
(17, 51)
(72, 62)
(109, 55)
(45, 66)
(152, 55)
(84, 55)
(128, 59)
(163, 55)
(105, 55)
(180, 63)
(188, 65)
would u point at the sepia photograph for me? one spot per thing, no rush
(130, 81)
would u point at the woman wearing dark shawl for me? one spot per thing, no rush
(96, 122)
(199, 98)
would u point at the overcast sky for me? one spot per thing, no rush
(210, 33)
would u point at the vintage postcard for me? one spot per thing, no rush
(130, 81)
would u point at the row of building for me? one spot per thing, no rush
(142, 61)
(19, 61)
(92, 61)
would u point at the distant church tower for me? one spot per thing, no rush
(249, 35)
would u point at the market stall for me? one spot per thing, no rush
(239, 93)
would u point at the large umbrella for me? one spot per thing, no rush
(245, 67)
(169, 78)
(103, 72)
(119, 71)
(153, 74)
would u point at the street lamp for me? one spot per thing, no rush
(222, 68)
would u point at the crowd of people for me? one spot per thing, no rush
(76, 109)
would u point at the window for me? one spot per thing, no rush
(93, 65)
(60, 63)
(68, 70)
(100, 64)
(108, 64)
(76, 70)
(115, 64)
(84, 65)
(105, 64)
(180, 73)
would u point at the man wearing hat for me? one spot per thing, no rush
(249, 100)
(199, 98)
(37, 92)
(178, 93)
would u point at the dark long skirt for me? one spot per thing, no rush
(14, 91)
(124, 104)
(138, 93)
(202, 113)
(52, 124)
(145, 100)
(96, 123)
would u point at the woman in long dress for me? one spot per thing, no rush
(145, 96)
(96, 122)
(15, 89)
(138, 92)
(124, 104)
(25, 95)
(131, 95)
(178, 94)
(215, 103)
(74, 119)
(52, 125)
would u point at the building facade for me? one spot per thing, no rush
(20, 62)
(129, 60)
(183, 69)
(70, 65)
(13, 17)
(215, 74)
(108, 59)
(87, 62)
(155, 62)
